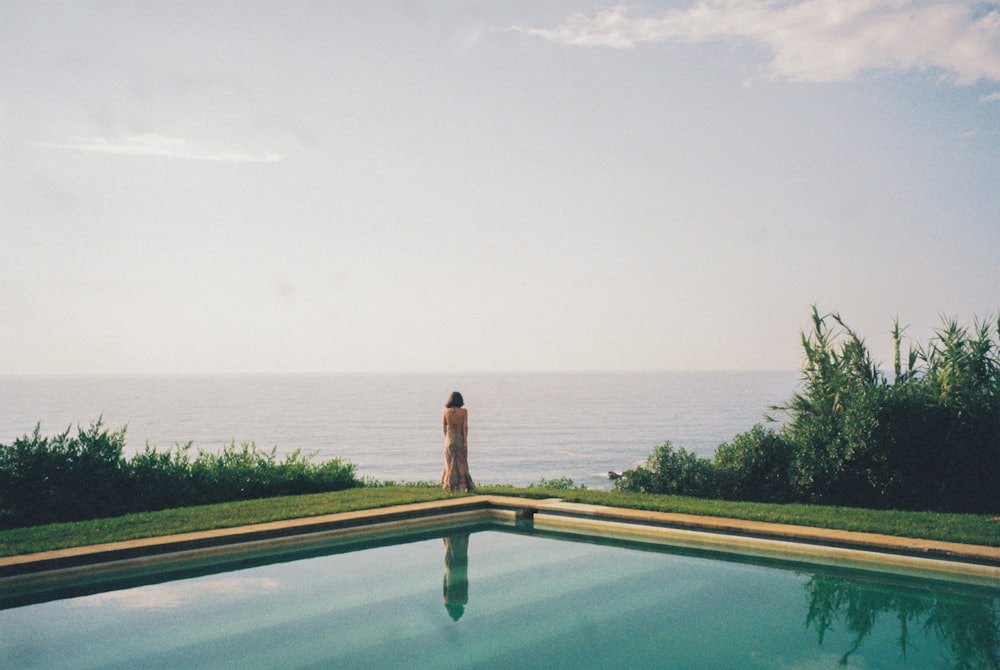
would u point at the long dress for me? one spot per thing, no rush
(456, 475)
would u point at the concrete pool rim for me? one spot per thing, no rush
(755, 538)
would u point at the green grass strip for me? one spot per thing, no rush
(207, 517)
(963, 528)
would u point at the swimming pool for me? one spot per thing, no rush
(488, 595)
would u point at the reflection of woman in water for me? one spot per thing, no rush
(456, 574)
(456, 475)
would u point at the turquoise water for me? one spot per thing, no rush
(503, 599)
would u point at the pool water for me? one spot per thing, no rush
(495, 598)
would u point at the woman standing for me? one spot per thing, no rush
(456, 448)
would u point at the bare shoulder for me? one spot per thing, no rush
(456, 413)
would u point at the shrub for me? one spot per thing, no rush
(755, 466)
(62, 478)
(245, 472)
(671, 471)
(960, 383)
(559, 483)
(71, 478)
(927, 439)
(161, 479)
(833, 417)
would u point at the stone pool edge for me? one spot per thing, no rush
(525, 509)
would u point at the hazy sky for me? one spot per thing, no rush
(498, 186)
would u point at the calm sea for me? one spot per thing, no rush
(523, 427)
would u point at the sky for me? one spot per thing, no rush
(410, 187)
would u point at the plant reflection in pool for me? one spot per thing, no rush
(968, 628)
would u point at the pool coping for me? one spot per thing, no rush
(524, 509)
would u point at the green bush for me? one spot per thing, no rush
(928, 438)
(961, 380)
(161, 479)
(833, 417)
(755, 467)
(71, 478)
(558, 483)
(62, 478)
(673, 471)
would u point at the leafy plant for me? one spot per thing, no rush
(558, 483)
(926, 439)
(85, 476)
(672, 471)
(64, 477)
(929, 438)
(755, 466)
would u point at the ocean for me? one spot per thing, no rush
(522, 427)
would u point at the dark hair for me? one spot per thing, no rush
(455, 400)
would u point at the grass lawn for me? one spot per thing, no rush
(964, 528)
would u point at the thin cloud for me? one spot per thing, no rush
(815, 40)
(992, 97)
(151, 144)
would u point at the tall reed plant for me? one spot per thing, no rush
(925, 438)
